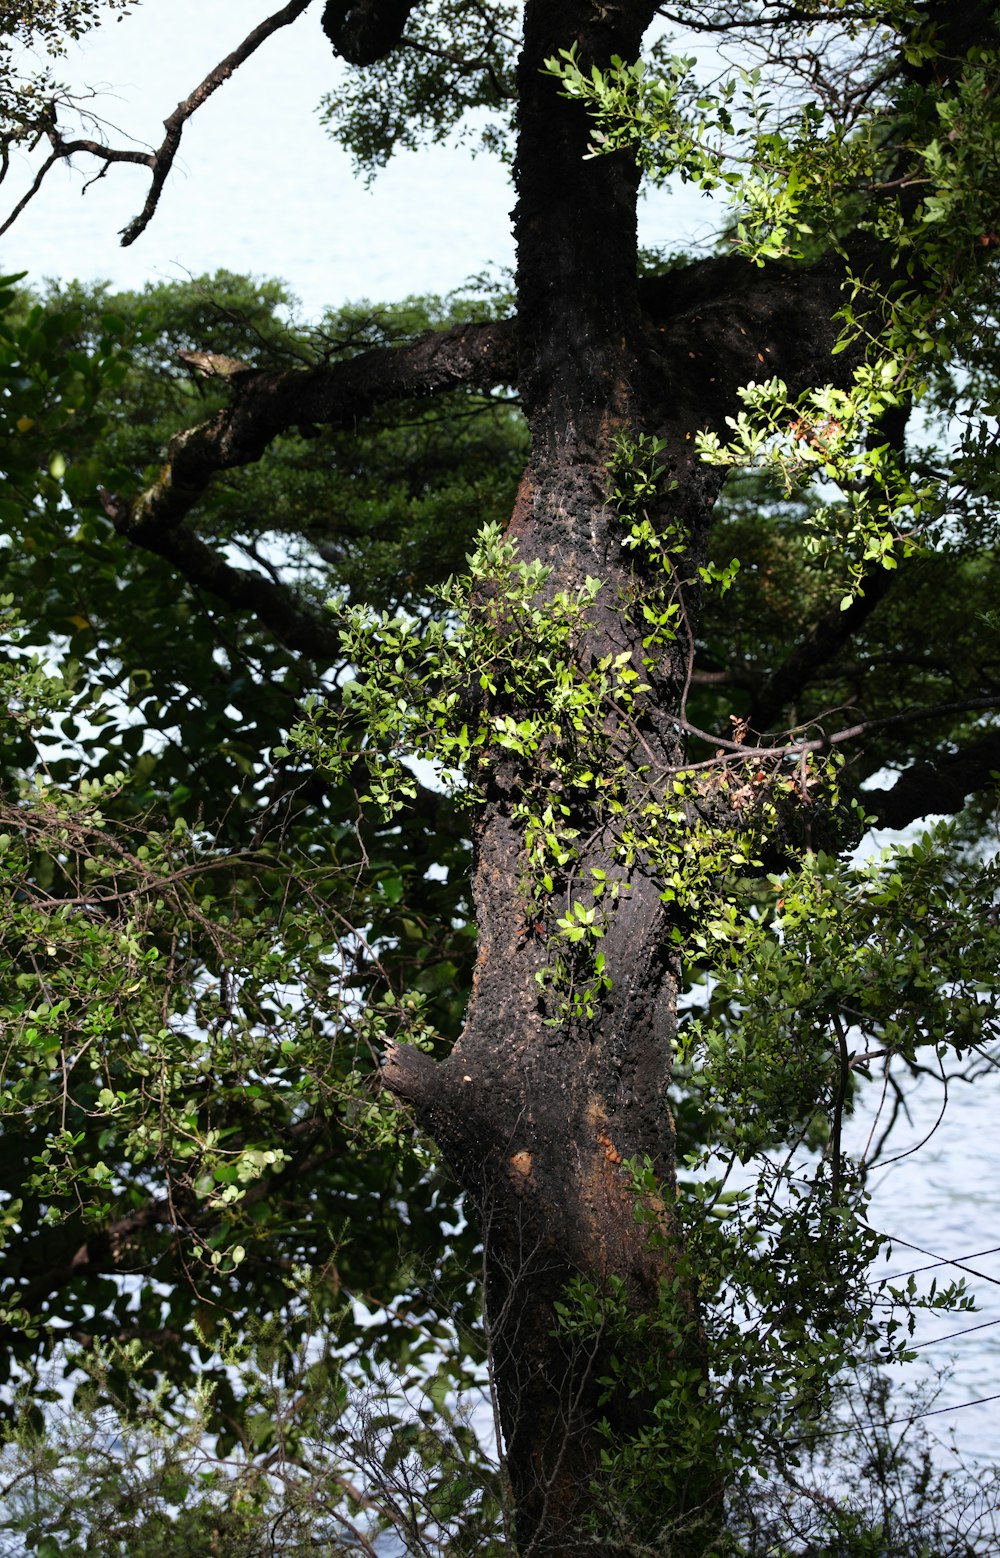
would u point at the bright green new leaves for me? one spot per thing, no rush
(507, 674)
(439, 690)
(660, 116)
(772, 161)
(802, 171)
(869, 511)
(901, 194)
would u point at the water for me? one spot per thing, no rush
(259, 186)
(939, 1204)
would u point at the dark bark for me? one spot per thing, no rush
(363, 31)
(339, 394)
(537, 1119)
(940, 788)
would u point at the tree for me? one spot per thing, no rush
(660, 785)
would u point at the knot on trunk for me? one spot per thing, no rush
(365, 31)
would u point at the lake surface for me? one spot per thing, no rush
(943, 1200)
(259, 186)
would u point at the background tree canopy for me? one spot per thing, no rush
(438, 747)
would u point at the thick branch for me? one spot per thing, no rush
(939, 788)
(409, 1075)
(823, 641)
(745, 313)
(828, 636)
(277, 607)
(265, 405)
(722, 322)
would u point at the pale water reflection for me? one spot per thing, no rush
(939, 1203)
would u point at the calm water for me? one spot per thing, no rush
(259, 186)
(943, 1199)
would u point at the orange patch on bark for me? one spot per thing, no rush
(523, 506)
(611, 1153)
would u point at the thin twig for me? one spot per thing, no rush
(162, 159)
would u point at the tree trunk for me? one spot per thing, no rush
(537, 1118)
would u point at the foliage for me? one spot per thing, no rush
(874, 1486)
(507, 669)
(28, 100)
(821, 972)
(168, 984)
(332, 1452)
(793, 177)
(188, 937)
(820, 976)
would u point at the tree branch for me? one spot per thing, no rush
(292, 620)
(266, 404)
(836, 628)
(438, 1092)
(723, 322)
(734, 331)
(61, 152)
(941, 787)
(742, 751)
(162, 160)
(823, 641)
(409, 1074)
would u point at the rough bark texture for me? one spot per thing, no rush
(363, 31)
(535, 1119)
